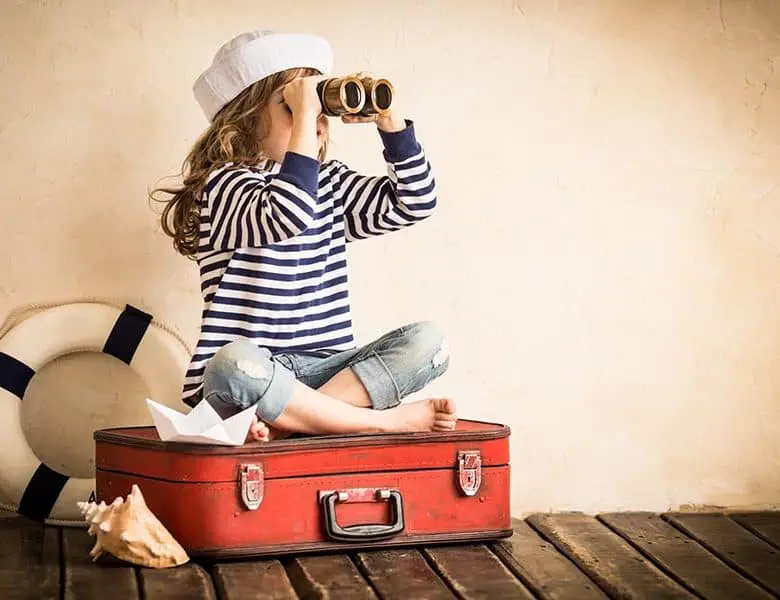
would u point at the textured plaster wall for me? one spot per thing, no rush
(605, 258)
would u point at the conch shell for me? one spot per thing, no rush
(128, 530)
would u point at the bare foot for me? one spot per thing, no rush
(432, 414)
(261, 432)
(258, 431)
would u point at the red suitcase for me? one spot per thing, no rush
(316, 493)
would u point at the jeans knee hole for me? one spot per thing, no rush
(252, 368)
(442, 354)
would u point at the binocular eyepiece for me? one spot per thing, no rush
(352, 95)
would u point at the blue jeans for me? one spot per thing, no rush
(397, 364)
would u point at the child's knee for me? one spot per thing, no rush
(426, 346)
(241, 375)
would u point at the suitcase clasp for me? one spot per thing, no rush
(469, 471)
(252, 485)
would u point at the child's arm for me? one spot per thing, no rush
(247, 208)
(406, 195)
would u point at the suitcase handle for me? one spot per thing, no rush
(362, 532)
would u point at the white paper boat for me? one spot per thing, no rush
(202, 425)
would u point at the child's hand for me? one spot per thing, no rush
(301, 95)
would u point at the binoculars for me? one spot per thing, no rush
(352, 95)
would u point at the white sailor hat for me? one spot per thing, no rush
(251, 56)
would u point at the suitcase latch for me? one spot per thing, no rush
(469, 471)
(252, 485)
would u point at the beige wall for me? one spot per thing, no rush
(605, 258)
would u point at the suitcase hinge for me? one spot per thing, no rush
(252, 485)
(469, 471)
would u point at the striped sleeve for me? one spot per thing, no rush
(406, 195)
(247, 208)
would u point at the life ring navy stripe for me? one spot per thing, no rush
(127, 333)
(14, 375)
(41, 493)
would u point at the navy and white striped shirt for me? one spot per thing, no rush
(272, 252)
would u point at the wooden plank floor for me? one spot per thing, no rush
(555, 556)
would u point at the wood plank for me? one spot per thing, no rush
(85, 579)
(327, 576)
(681, 557)
(29, 561)
(402, 574)
(606, 557)
(473, 571)
(256, 580)
(765, 524)
(543, 569)
(189, 581)
(735, 545)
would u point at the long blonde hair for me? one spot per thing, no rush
(230, 138)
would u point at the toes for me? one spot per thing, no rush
(444, 405)
(259, 431)
(447, 416)
(260, 436)
(449, 406)
(443, 425)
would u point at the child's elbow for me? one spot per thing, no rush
(424, 201)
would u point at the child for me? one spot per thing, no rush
(267, 218)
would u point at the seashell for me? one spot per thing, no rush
(128, 530)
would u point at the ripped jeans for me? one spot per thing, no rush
(401, 362)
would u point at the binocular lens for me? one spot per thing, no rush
(383, 96)
(353, 95)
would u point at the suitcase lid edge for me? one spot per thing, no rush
(125, 436)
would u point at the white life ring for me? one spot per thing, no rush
(39, 492)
